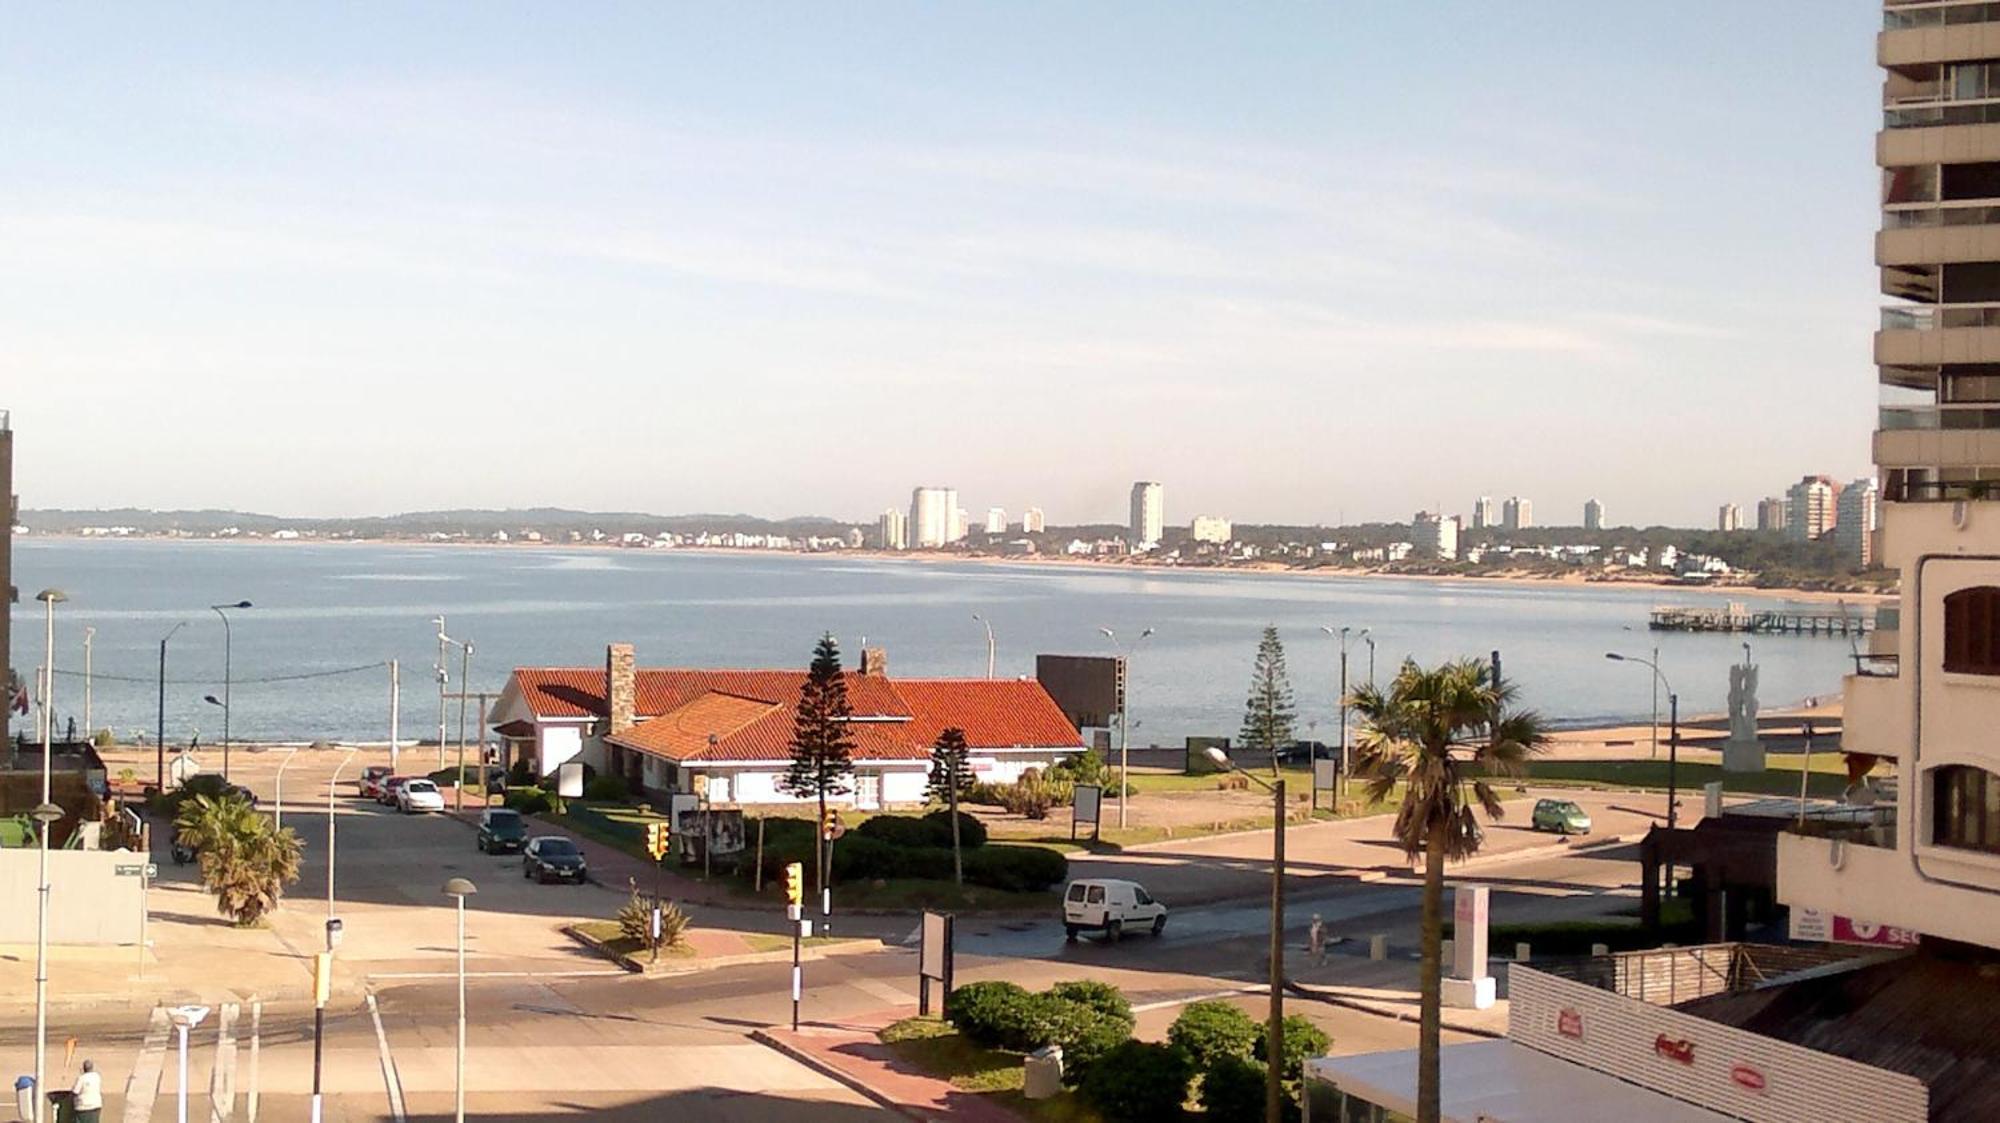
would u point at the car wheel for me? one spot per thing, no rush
(1069, 933)
(1114, 931)
(1159, 924)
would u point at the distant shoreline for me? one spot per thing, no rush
(1253, 569)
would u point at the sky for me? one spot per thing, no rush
(1300, 263)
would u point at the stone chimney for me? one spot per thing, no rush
(875, 661)
(621, 687)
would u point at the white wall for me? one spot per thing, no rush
(557, 745)
(89, 903)
(758, 784)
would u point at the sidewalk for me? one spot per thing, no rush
(850, 1052)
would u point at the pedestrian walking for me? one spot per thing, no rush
(89, 1093)
(1316, 941)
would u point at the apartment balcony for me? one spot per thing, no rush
(1918, 35)
(1876, 716)
(1917, 138)
(1919, 442)
(1974, 238)
(1926, 335)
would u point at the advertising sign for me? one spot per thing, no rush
(1086, 806)
(1826, 927)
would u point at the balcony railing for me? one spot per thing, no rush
(1897, 489)
(1876, 666)
(1947, 13)
(1930, 215)
(1984, 111)
(1939, 417)
(1929, 317)
(1858, 826)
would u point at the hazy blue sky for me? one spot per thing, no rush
(1294, 261)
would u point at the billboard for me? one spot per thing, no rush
(1824, 927)
(1088, 688)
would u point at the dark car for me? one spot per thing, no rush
(387, 789)
(552, 858)
(501, 831)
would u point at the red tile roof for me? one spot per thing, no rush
(750, 712)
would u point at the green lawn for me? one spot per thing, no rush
(616, 942)
(934, 1047)
(764, 941)
(1829, 776)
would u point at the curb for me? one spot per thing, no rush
(694, 964)
(837, 1075)
(1366, 1007)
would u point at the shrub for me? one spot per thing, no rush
(1085, 768)
(635, 922)
(902, 830)
(1084, 1033)
(986, 794)
(1302, 1040)
(1101, 997)
(607, 789)
(1031, 797)
(971, 832)
(520, 775)
(1232, 1090)
(104, 739)
(1138, 1082)
(985, 1013)
(528, 800)
(1210, 1031)
(1021, 869)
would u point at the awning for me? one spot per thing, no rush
(1502, 1082)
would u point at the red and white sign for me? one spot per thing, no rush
(1748, 1078)
(1680, 1050)
(1569, 1023)
(1825, 927)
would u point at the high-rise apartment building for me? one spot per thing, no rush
(1771, 513)
(1211, 528)
(1729, 517)
(1809, 507)
(961, 521)
(1854, 529)
(1482, 513)
(1149, 514)
(11, 508)
(996, 520)
(1434, 536)
(892, 530)
(1593, 515)
(933, 514)
(1517, 513)
(1032, 521)
(1929, 703)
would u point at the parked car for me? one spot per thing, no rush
(371, 780)
(387, 789)
(1561, 816)
(419, 795)
(553, 858)
(1110, 906)
(501, 830)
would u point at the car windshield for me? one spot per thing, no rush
(502, 819)
(557, 848)
(415, 787)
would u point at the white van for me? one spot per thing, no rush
(1110, 906)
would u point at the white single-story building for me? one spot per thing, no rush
(660, 728)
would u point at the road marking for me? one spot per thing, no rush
(471, 975)
(143, 1086)
(222, 1078)
(1170, 1003)
(893, 995)
(256, 1047)
(390, 1079)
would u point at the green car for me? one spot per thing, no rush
(1560, 816)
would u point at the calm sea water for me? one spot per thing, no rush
(325, 608)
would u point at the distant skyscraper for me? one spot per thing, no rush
(1482, 513)
(1771, 513)
(1854, 528)
(1210, 528)
(1810, 507)
(892, 530)
(1517, 513)
(931, 517)
(1149, 514)
(8, 506)
(1435, 536)
(1729, 517)
(1032, 521)
(1593, 515)
(961, 520)
(996, 520)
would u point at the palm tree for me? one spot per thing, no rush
(1423, 732)
(244, 861)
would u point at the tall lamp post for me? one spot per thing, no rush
(88, 635)
(1274, 1054)
(459, 889)
(1673, 727)
(160, 731)
(46, 813)
(1342, 635)
(1124, 721)
(185, 1018)
(989, 642)
(218, 610)
(1371, 655)
(278, 802)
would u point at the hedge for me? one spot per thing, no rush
(1212, 1030)
(1232, 1090)
(1303, 1040)
(1102, 997)
(1002, 1015)
(988, 1013)
(1021, 869)
(860, 857)
(1138, 1082)
(933, 829)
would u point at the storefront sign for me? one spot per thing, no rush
(1569, 1023)
(1680, 1050)
(1825, 927)
(1747, 1078)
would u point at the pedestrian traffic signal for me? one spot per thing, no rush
(795, 883)
(657, 838)
(830, 826)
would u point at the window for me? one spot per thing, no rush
(1967, 809)
(1096, 895)
(1972, 631)
(1076, 892)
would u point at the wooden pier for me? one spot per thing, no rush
(1778, 621)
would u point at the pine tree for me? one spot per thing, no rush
(951, 777)
(822, 741)
(1268, 715)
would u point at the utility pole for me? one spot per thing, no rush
(89, 731)
(443, 678)
(459, 797)
(395, 714)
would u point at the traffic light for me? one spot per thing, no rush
(657, 838)
(795, 883)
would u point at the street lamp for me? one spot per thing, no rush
(1124, 721)
(160, 731)
(184, 1018)
(88, 635)
(1342, 636)
(989, 642)
(278, 803)
(1371, 655)
(332, 783)
(218, 610)
(46, 813)
(1673, 727)
(1274, 1053)
(459, 889)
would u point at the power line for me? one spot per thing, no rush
(151, 679)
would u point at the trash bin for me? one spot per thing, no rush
(62, 1106)
(1042, 1071)
(24, 1097)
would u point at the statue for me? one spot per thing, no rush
(1743, 752)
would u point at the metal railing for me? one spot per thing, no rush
(1958, 416)
(1941, 13)
(1670, 976)
(1900, 490)
(1940, 214)
(1985, 111)
(1928, 317)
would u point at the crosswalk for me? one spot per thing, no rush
(143, 1086)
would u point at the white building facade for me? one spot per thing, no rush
(1033, 522)
(892, 530)
(1517, 513)
(1149, 515)
(932, 513)
(1213, 529)
(1434, 536)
